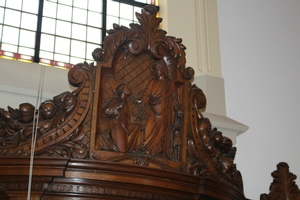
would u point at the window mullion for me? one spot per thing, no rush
(104, 13)
(70, 39)
(38, 33)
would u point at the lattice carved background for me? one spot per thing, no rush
(136, 73)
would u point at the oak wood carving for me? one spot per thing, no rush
(283, 186)
(131, 130)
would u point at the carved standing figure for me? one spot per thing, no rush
(158, 130)
(124, 133)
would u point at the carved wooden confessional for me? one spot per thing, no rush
(131, 130)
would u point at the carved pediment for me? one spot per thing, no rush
(135, 108)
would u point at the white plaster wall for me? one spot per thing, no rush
(20, 82)
(260, 58)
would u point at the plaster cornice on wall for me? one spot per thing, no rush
(226, 125)
(213, 88)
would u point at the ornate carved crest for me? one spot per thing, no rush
(135, 108)
(283, 186)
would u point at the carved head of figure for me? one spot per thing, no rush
(159, 71)
(123, 90)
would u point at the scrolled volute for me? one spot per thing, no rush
(209, 151)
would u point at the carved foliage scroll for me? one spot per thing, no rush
(209, 153)
(145, 37)
(56, 121)
(283, 186)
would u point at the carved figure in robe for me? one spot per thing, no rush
(158, 130)
(122, 125)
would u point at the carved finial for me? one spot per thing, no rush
(150, 9)
(283, 186)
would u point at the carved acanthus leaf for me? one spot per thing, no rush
(142, 37)
(72, 146)
(283, 186)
